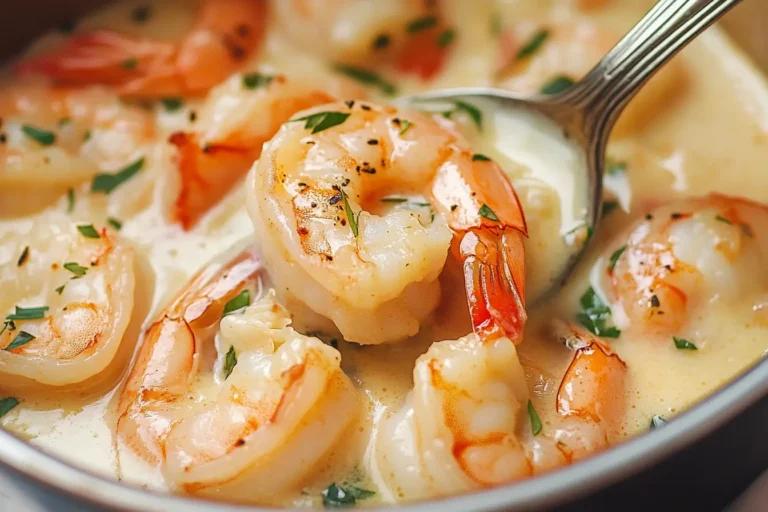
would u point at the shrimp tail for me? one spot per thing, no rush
(494, 278)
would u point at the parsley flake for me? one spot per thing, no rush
(230, 361)
(242, 300)
(486, 212)
(472, 111)
(60, 289)
(172, 104)
(6, 404)
(367, 77)
(39, 135)
(130, 63)
(533, 44)
(615, 257)
(446, 37)
(477, 157)
(21, 339)
(70, 200)
(115, 223)
(351, 218)
(33, 313)
(24, 256)
(338, 496)
(404, 125)
(557, 85)
(88, 231)
(658, 421)
(614, 167)
(10, 325)
(595, 315)
(108, 182)
(683, 344)
(76, 269)
(608, 207)
(394, 200)
(322, 120)
(256, 80)
(422, 23)
(535, 420)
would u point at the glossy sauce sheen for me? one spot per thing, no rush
(713, 138)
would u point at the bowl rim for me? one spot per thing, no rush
(549, 490)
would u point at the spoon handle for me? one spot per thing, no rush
(665, 30)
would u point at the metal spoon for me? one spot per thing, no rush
(586, 112)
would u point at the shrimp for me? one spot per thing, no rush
(404, 33)
(237, 118)
(466, 424)
(686, 256)
(68, 295)
(54, 139)
(225, 34)
(279, 401)
(346, 231)
(570, 51)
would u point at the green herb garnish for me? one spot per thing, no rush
(130, 63)
(486, 212)
(338, 496)
(683, 344)
(76, 269)
(87, 135)
(381, 41)
(230, 361)
(6, 404)
(477, 157)
(472, 111)
(70, 200)
(446, 37)
(366, 77)
(41, 136)
(615, 257)
(23, 257)
(351, 218)
(494, 25)
(404, 125)
(608, 207)
(557, 85)
(256, 80)
(60, 289)
(108, 182)
(28, 313)
(172, 104)
(88, 231)
(533, 44)
(394, 200)
(535, 420)
(595, 315)
(21, 339)
(746, 229)
(141, 14)
(613, 167)
(422, 23)
(115, 223)
(242, 300)
(723, 219)
(322, 120)
(8, 324)
(657, 421)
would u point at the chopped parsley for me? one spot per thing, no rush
(39, 135)
(683, 344)
(723, 219)
(115, 223)
(70, 200)
(535, 420)
(172, 104)
(381, 41)
(60, 289)
(657, 421)
(6, 404)
(64, 121)
(87, 135)
(404, 125)
(21, 339)
(614, 167)
(242, 300)
(10, 325)
(33, 313)
(446, 37)
(533, 44)
(472, 111)
(595, 315)
(108, 182)
(338, 496)
(477, 157)
(422, 23)
(557, 85)
(130, 63)
(351, 218)
(746, 229)
(230, 361)
(76, 269)
(394, 200)
(88, 231)
(322, 120)
(256, 80)
(141, 14)
(24, 256)
(615, 257)
(608, 207)
(495, 25)
(486, 212)
(367, 77)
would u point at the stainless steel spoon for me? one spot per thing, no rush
(586, 112)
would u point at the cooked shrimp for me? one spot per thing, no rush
(466, 424)
(237, 118)
(225, 34)
(571, 51)
(279, 403)
(345, 229)
(54, 139)
(68, 294)
(403, 32)
(685, 256)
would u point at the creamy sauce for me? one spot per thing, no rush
(714, 137)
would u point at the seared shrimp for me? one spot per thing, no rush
(68, 294)
(403, 32)
(225, 34)
(686, 255)
(55, 139)
(337, 200)
(279, 400)
(237, 118)
(468, 424)
(570, 51)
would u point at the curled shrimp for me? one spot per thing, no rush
(225, 34)
(54, 139)
(277, 404)
(684, 257)
(236, 119)
(467, 423)
(403, 33)
(346, 229)
(67, 301)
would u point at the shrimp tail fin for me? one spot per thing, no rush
(494, 278)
